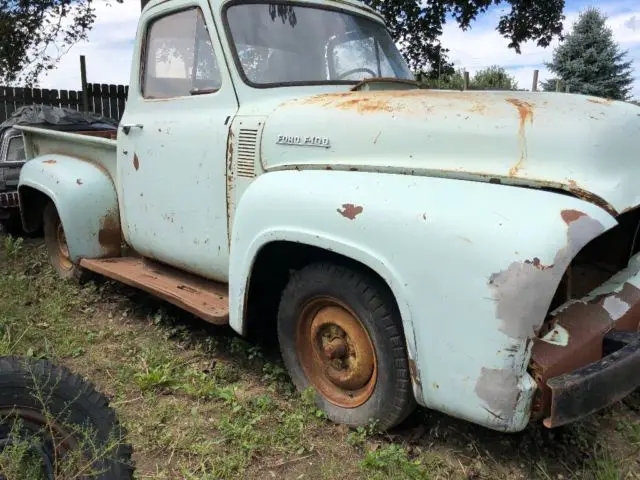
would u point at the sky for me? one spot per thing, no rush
(109, 48)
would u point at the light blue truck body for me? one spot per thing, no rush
(454, 199)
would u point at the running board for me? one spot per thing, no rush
(206, 299)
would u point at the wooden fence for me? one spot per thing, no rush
(106, 100)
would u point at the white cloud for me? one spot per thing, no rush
(483, 46)
(109, 49)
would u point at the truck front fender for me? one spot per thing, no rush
(86, 200)
(473, 267)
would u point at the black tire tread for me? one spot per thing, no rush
(381, 304)
(21, 371)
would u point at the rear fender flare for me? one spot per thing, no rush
(85, 198)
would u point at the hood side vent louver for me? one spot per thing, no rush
(246, 156)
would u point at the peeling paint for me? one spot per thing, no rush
(79, 181)
(523, 292)
(136, 162)
(49, 162)
(615, 307)
(350, 211)
(499, 390)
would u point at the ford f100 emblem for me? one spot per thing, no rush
(303, 141)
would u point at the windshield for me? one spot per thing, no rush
(290, 44)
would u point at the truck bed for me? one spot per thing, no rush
(96, 146)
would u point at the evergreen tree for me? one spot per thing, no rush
(589, 61)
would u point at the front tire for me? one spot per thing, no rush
(340, 333)
(57, 249)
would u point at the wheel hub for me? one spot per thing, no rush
(337, 353)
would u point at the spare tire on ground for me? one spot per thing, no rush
(54, 424)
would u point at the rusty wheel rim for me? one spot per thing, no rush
(51, 441)
(63, 249)
(336, 352)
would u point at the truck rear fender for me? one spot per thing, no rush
(86, 200)
(473, 268)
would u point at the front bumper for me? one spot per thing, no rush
(584, 391)
(591, 357)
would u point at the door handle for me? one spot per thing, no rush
(127, 128)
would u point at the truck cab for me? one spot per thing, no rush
(277, 167)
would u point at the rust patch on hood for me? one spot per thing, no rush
(350, 211)
(600, 101)
(109, 234)
(365, 105)
(136, 162)
(524, 291)
(525, 111)
(49, 162)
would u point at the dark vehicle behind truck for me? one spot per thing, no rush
(12, 153)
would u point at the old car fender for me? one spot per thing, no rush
(473, 267)
(86, 200)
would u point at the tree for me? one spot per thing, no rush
(491, 78)
(589, 61)
(34, 34)
(417, 25)
(494, 78)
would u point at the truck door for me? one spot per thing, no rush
(173, 141)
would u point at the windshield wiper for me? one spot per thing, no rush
(401, 81)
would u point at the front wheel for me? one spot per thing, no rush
(56, 242)
(340, 333)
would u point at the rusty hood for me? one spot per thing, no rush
(585, 145)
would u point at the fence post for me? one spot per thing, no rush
(83, 75)
(534, 87)
(465, 86)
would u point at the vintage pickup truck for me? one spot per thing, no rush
(12, 156)
(472, 252)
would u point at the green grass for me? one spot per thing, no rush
(201, 403)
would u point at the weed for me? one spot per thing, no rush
(603, 466)
(392, 461)
(12, 246)
(630, 430)
(155, 377)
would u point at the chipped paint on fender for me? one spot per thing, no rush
(350, 211)
(425, 264)
(523, 292)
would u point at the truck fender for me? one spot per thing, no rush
(473, 267)
(86, 200)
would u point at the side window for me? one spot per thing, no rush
(179, 58)
(15, 150)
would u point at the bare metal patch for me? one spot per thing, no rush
(499, 390)
(615, 307)
(523, 292)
